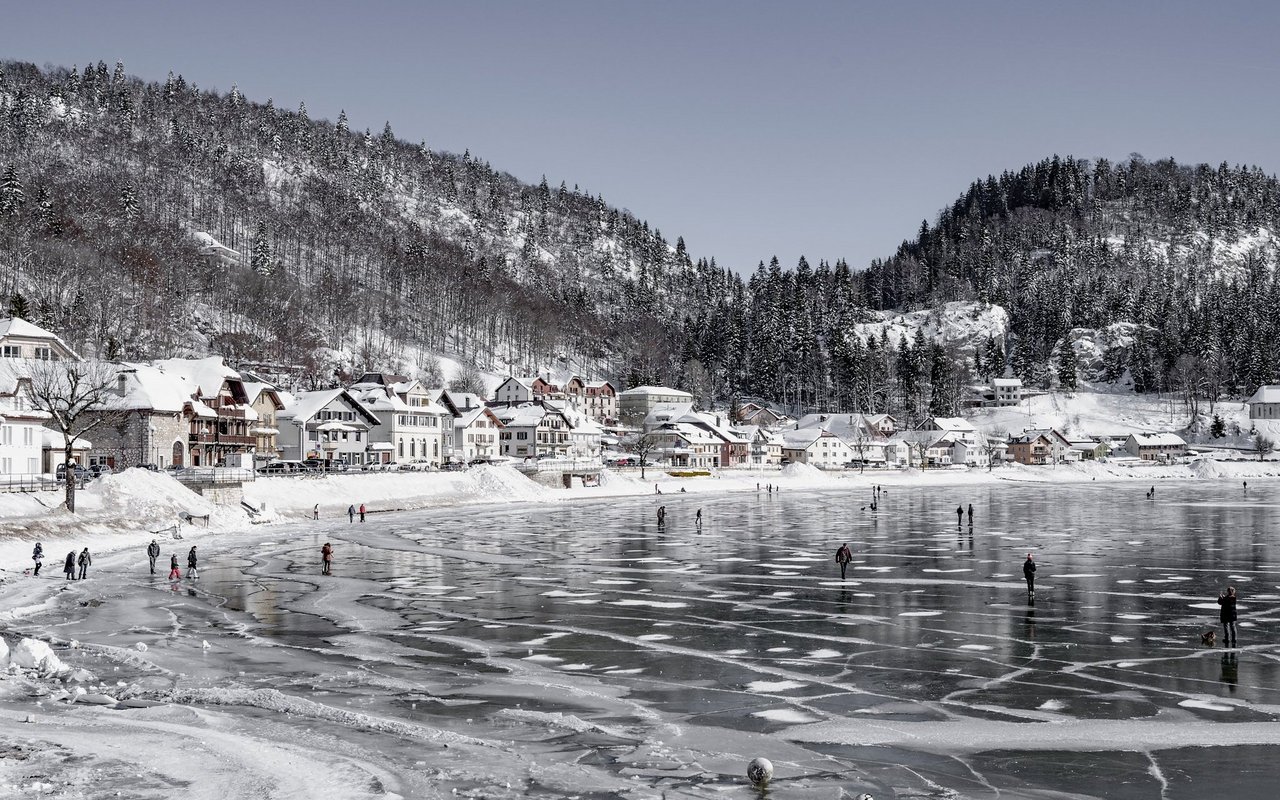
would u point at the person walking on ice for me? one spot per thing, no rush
(971, 514)
(959, 516)
(843, 556)
(662, 515)
(153, 552)
(698, 518)
(1227, 615)
(84, 561)
(192, 572)
(326, 555)
(315, 511)
(174, 573)
(362, 512)
(70, 566)
(351, 513)
(37, 555)
(1029, 572)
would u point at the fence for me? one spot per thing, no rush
(33, 482)
(213, 475)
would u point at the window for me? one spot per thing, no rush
(12, 351)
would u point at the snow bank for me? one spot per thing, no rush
(37, 655)
(4, 653)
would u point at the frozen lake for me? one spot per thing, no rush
(583, 650)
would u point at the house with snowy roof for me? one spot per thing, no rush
(266, 402)
(20, 339)
(411, 427)
(867, 442)
(734, 448)
(760, 416)
(21, 431)
(764, 447)
(222, 438)
(1006, 391)
(1155, 446)
(681, 444)
(151, 416)
(330, 425)
(636, 403)
(816, 447)
(515, 390)
(953, 428)
(476, 433)
(1265, 403)
(597, 399)
(533, 430)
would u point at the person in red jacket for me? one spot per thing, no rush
(326, 554)
(362, 512)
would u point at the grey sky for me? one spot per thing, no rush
(828, 129)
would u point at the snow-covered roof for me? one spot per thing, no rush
(18, 327)
(1012, 383)
(666, 412)
(1265, 394)
(206, 374)
(468, 418)
(306, 405)
(147, 387)
(953, 424)
(640, 391)
(52, 440)
(690, 433)
(255, 389)
(1158, 440)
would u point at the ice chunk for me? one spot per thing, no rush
(37, 655)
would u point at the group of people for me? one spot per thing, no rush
(153, 552)
(351, 512)
(76, 565)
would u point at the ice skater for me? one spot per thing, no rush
(843, 557)
(37, 555)
(1227, 615)
(1029, 572)
(326, 555)
(192, 572)
(84, 561)
(153, 552)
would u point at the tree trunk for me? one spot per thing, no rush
(70, 474)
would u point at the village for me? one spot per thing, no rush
(201, 414)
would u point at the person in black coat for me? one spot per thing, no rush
(1227, 614)
(1029, 572)
(70, 566)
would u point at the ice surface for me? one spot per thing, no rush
(465, 627)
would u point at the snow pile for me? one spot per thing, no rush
(504, 483)
(142, 494)
(36, 655)
(803, 472)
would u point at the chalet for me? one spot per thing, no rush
(1155, 446)
(681, 444)
(475, 434)
(330, 424)
(1265, 403)
(1090, 449)
(733, 447)
(954, 428)
(597, 399)
(764, 447)
(664, 413)
(266, 402)
(817, 447)
(760, 416)
(1032, 447)
(533, 431)
(635, 404)
(220, 427)
(517, 390)
(883, 424)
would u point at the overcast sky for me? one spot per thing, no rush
(753, 129)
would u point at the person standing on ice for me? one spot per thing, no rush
(1029, 572)
(362, 512)
(174, 572)
(351, 513)
(192, 572)
(84, 561)
(153, 552)
(1227, 615)
(315, 512)
(70, 566)
(843, 556)
(959, 516)
(326, 556)
(662, 515)
(971, 515)
(697, 518)
(37, 555)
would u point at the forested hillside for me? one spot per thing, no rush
(357, 250)
(351, 242)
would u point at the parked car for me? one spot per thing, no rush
(80, 472)
(149, 467)
(278, 468)
(98, 470)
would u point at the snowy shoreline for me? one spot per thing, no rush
(125, 510)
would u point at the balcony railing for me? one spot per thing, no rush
(222, 439)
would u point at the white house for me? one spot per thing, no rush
(817, 447)
(956, 429)
(475, 434)
(411, 426)
(331, 425)
(1155, 446)
(1265, 403)
(516, 390)
(597, 399)
(1006, 391)
(764, 446)
(21, 431)
(681, 444)
(21, 339)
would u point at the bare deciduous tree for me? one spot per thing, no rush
(1264, 445)
(76, 396)
(991, 443)
(468, 379)
(642, 446)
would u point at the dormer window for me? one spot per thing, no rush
(43, 354)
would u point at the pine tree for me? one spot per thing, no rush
(260, 253)
(12, 196)
(18, 306)
(1067, 366)
(129, 208)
